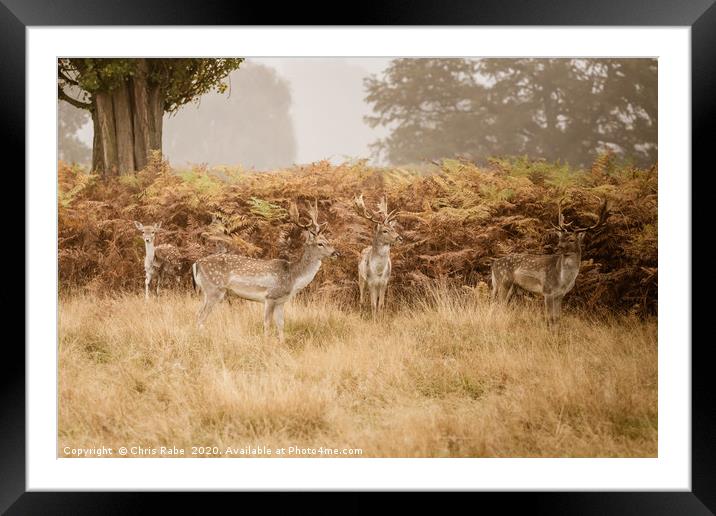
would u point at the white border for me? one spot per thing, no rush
(671, 470)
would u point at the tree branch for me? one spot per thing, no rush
(66, 77)
(78, 104)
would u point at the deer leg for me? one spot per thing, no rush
(549, 308)
(361, 289)
(373, 300)
(556, 309)
(147, 281)
(210, 299)
(381, 296)
(278, 320)
(200, 315)
(509, 292)
(495, 287)
(159, 277)
(269, 307)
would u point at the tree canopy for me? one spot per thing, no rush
(182, 80)
(557, 109)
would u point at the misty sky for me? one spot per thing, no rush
(328, 105)
(327, 110)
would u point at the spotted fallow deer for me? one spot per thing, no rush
(271, 282)
(375, 266)
(159, 261)
(551, 275)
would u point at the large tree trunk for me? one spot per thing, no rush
(127, 125)
(124, 126)
(103, 116)
(147, 114)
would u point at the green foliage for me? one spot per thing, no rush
(73, 180)
(185, 80)
(181, 80)
(102, 74)
(199, 180)
(266, 209)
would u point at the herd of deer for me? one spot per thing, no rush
(273, 282)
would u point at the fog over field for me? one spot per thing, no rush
(329, 105)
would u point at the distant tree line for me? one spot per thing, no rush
(557, 109)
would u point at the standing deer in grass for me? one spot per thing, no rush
(551, 275)
(375, 266)
(160, 260)
(271, 282)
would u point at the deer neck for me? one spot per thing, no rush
(569, 266)
(379, 249)
(569, 259)
(303, 270)
(149, 256)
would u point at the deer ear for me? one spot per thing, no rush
(157, 225)
(138, 225)
(580, 236)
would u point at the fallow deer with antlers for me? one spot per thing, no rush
(551, 275)
(160, 260)
(271, 282)
(375, 266)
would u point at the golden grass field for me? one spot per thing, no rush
(449, 376)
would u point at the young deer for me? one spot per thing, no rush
(160, 260)
(551, 275)
(374, 267)
(271, 282)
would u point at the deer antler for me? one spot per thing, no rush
(601, 217)
(365, 212)
(313, 226)
(562, 225)
(384, 216)
(313, 213)
(295, 217)
(392, 215)
(383, 207)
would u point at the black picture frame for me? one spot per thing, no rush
(700, 15)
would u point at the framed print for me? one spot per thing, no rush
(420, 254)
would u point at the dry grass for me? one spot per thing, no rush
(452, 377)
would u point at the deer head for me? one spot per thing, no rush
(385, 232)
(571, 237)
(316, 244)
(148, 232)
